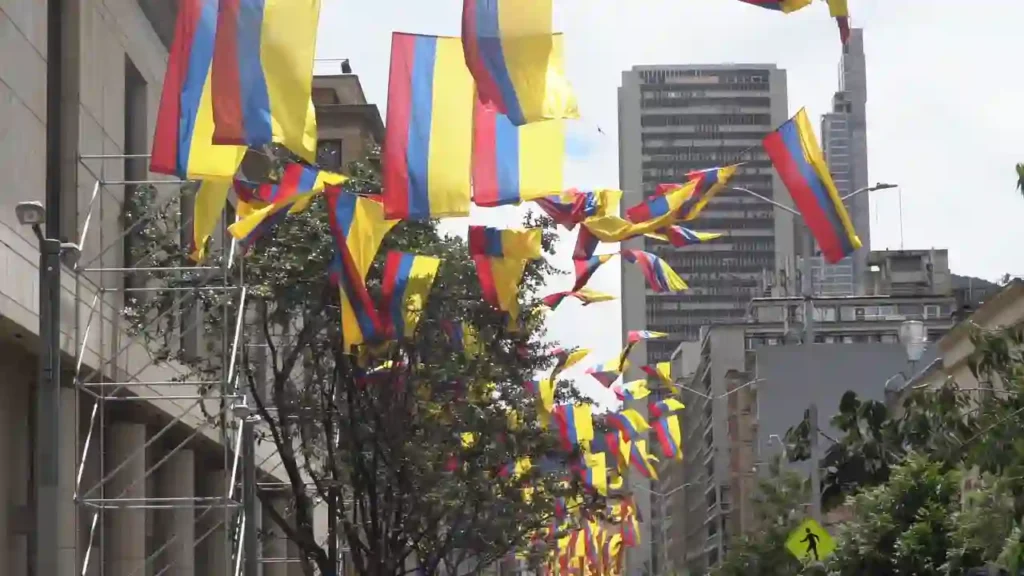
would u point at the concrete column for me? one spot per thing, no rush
(126, 534)
(177, 526)
(213, 548)
(67, 531)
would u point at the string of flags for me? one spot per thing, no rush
(471, 120)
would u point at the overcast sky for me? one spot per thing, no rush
(945, 98)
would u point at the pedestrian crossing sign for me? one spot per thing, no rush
(810, 542)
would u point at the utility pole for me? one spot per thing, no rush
(250, 502)
(815, 465)
(807, 289)
(46, 455)
(44, 495)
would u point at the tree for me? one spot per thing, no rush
(872, 440)
(1020, 178)
(411, 452)
(917, 524)
(779, 507)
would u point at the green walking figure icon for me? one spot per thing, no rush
(812, 544)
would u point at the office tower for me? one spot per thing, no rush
(673, 120)
(844, 139)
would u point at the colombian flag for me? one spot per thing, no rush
(573, 206)
(707, 184)
(595, 472)
(682, 237)
(628, 422)
(516, 60)
(640, 459)
(785, 6)
(271, 202)
(798, 159)
(635, 390)
(404, 291)
(498, 243)
(262, 79)
(584, 295)
(565, 359)
(660, 276)
(514, 164)
(608, 372)
(659, 210)
(662, 371)
(183, 138)
(664, 407)
(429, 137)
(840, 10)
(358, 226)
(499, 282)
(575, 424)
(586, 268)
(669, 437)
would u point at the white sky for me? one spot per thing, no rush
(945, 99)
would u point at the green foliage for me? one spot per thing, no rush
(902, 527)
(921, 523)
(1020, 178)
(779, 507)
(381, 441)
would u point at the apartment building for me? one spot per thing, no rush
(147, 483)
(754, 380)
(675, 119)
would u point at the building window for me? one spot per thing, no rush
(328, 155)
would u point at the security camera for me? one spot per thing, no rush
(70, 254)
(30, 213)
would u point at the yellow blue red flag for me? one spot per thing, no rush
(798, 159)
(516, 60)
(404, 291)
(262, 76)
(514, 164)
(429, 136)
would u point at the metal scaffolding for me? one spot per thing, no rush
(114, 382)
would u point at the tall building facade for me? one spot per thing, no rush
(844, 140)
(673, 120)
(676, 119)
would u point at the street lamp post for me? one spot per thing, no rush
(46, 441)
(663, 499)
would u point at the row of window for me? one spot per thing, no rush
(672, 154)
(855, 313)
(754, 342)
(733, 76)
(666, 100)
(707, 132)
(754, 159)
(651, 120)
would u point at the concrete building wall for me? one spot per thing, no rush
(794, 377)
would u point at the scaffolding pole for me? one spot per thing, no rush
(118, 378)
